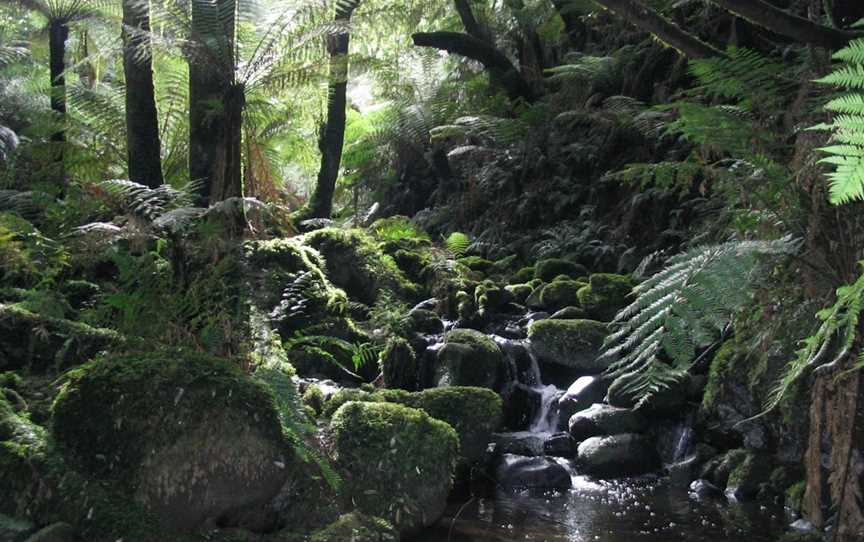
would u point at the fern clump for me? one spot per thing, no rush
(846, 153)
(681, 309)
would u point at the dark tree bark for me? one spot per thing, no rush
(470, 22)
(786, 24)
(501, 70)
(142, 124)
(573, 25)
(332, 136)
(665, 30)
(227, 181)
(58, 33)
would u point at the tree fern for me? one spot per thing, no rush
(682, 309)
(846, 180)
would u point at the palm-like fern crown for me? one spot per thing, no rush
(846, 153)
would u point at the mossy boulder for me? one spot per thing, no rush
(469, 358)
(424, 321)
(343, 396)
(520, 292)
(41, 343)
(523, 275)
(356, 527)
(547, 270)
(605, 295)
(476, 263)
(748, 476)
(355, 263)
(399, 365)
(560, 294)
(574, 344)
(491, 297)
(600, 420)
(188, 436)
(397, 462)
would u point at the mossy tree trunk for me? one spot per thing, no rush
(332, 136)
(58, 33)
(142, 123)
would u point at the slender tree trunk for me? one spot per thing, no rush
(333, 133)
(58, 33)
(227, 181)
(470, 22)
(665, 30)
(786, 24)
(142, 124)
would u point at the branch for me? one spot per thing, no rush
(470, 22)
(502, 71)
(664, 29)
(784, 23)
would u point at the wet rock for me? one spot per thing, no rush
(560, 445)
(581, 394)
(534, 299)
(618, 455)
(519, 443)
(520, 407)
(747, 477)
(600, 419)
(702, 489)
(681, 472)
(572, 344)
(515, 471)
(568, 313)
(399, 365)
(425, 321)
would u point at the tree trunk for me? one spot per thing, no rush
(502, 72)
(332, 136)
(577, 32)
(785, 24)
(228, 172)
(470, 22)
(58, 33)
(665, 30)
(142, 123)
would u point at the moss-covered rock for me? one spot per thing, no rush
(476, 263)
(190, 437)
(469, 358)
(313, 398)
(40, 343)
(547, 270)
(399, 365)
(397, 462)
(747, 476)
(523, 275)
(520, 292)
(574, 344)
(424, 321)
(343, 396)
(560, 294)
(355, 263)
(490, 297)
(605, 295)
(356, 527)
(600, 420)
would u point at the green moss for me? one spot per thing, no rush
(468, 358)
(399, 365)
(398, 462)
(490, 297)
(605, 295)
(355, 263)
(560, 294)
(547, 270)
(571, 343)
(520, 292)
(795, 496)
(724, 369)
(476, 263)
(59, 344)
(313, 398)
(523, 275)
(748, 475)
(343, 396)
(11, 380)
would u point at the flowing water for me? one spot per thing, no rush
(628, 510)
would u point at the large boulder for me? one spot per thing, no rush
(602, 419)
(618, 455)
(547, 270)
(396, 462)
(605, 295)
(572, 344)
(560, 294)
(518, 472)
(190, 437)
(469, 358)
(519, 443)
(582, 393)
(399, 365)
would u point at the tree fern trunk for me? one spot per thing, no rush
(333, 134)
(228, 175)
(58, 33)
(142, 124)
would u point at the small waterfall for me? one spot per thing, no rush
(546, 420)
(683, 439)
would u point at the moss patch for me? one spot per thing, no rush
(605, 295)
(469, 358)
(570, 343)
(547, 270)
(560, 294)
